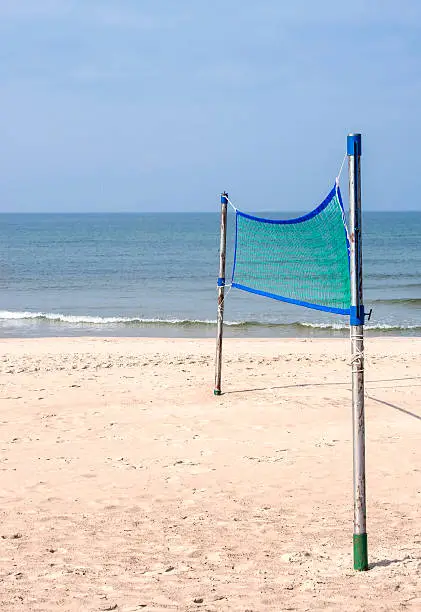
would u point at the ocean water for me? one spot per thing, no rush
(155, 275)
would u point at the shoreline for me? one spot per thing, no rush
(237, 332)
(208, 340)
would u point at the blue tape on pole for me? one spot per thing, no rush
(353, 144)
(356, 315)
(221, 282)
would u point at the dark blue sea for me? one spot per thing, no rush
(155, 275)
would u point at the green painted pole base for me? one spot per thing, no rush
(360, 552)
(217, 391)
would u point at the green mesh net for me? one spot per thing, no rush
(303, 261)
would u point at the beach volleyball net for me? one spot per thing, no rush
(310, 261)
(303, 261)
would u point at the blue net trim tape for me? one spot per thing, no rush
(341, 311)
(220, 282)
(306, 217)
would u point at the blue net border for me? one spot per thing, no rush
(274, 296)
(306, 217)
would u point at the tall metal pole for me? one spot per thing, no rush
(221, 293)
(357, 352)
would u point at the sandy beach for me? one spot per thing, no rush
(126, 485)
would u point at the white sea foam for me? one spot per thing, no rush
(49, 317)
(7, 315)
(323, 325)
(339, 326)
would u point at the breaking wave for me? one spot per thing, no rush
(87, 320)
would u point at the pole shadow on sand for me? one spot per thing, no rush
(370, 397)
(387, 562)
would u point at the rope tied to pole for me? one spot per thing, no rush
(231, 204)
(340, 170)
(358, 356)
(221, 304)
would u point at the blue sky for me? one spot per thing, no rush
(128, 105)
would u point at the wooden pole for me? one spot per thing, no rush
(221, 293)
(357, 352)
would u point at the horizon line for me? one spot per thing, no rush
(165, 212)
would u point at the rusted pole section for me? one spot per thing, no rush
(221, 293)
(357, 352)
